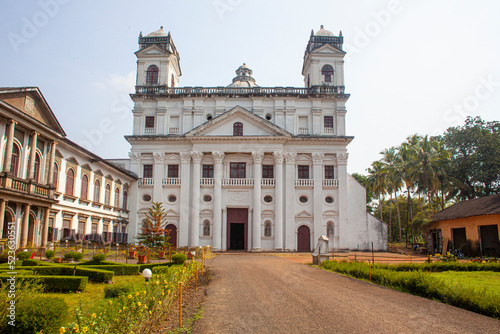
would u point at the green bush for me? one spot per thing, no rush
(441, 266)
(39, 314)
(154, 265)
(30, 263)
(49, 254)
(99, 263)
(162, 269)
(56, 283)
(99, 257)
(23, 255)
(94, 275)
(19, 272)
(73, 255)
(124, 269)
(116, 290)
(179, 258)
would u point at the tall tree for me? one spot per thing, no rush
(377, 183)
(153, 233)
(394, 182)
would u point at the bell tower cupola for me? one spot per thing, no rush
(324, 59)
(158, 62)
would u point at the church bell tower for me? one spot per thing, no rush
(324, 59)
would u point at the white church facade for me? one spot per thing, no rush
(244, 167)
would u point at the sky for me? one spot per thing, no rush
(411, 66)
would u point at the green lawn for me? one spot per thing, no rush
(92, 298)
(488, 281)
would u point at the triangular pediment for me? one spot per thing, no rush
(30, 102)
(303, 214)
(151, 51)
(327, 48)
(253, 126)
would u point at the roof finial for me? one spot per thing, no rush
(321, 27)
(312, 31)
(161, 27)
(340, 33)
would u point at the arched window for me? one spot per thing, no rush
(70, 181)
(267, 229)
(117, 197)
(327, 71)
(238, 129)
(152, 75)
(107, 194)
(55, 176)
(36, 176)
(97, 191)
(206, 228)
(85, 187)
(14, 162)
(125, 200)
(329, 230)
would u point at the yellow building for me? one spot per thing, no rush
(477, 220)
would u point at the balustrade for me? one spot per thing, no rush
(146, 182)
(171, 181)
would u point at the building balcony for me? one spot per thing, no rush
(207, 182)
(237, 183)
(171, 182)
(303, 131)
(173, 131)
(23, 187)
(267, 183)
(146, 182)
(330, 183)
(328, 131)
(304, 183)
(149, 131)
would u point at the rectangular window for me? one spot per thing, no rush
(329, 122)
(147, 172)
(303, 172)
(208, 171)
(329, 172)
(237, 170)
(150, 122)
(173, 171)
(267, 171)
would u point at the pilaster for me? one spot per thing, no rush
(8, 147)
(159, 174)
(343, 204)
(183, 231)
(318, 195)
(278, 200)
(217, 224)
(257, 205)
(289, 228)
(195, 206)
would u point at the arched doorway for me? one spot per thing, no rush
(8, 217)
(31, 229)
(304, 239)
(172, 232)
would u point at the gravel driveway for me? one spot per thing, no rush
(268, 294)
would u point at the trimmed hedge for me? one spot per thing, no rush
(441, 266)
(29, 263)
(99, 263)
(19, 272)
(23, 255)
(125, 269)
(153, 265)
(38, 314)
(94, 275)
(57, 283)
(179, 258)
(73, 255)
(163, 269)
(116, 290)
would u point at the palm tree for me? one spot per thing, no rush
(377, 183)
(408, 173)
(390, 162)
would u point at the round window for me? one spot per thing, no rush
(269, 117)
(303, 199)
(207, 198)
(329, 199)
(209, 117)
(146, 197)
(268, 198)
(172, 198)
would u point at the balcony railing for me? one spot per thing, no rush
(304, 183)
(267, 182)
(330, 183)
(303, 131)
(241, 91)
(149, 131)
(146, 182)
(173, 131)
(27, 187)
(171, 181)
(328, 130)
(237, 182)
(207, 182)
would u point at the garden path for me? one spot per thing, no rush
(268, 294)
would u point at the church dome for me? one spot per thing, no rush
(323, 32)
(158, 33)
(243, 77)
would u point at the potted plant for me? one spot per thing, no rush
(142, 255)
(132, 252)
(161, 253)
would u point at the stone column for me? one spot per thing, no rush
(183, 231)
(25, 225)
(224, 229)
(317, 195)
(257, 204)
(217, 224)
(343, 204)
(290, 198)
(159, 174)
(195, 206)
(52, 159)
(135, 162)
(45, 230)
(8, 148)
(249, 230)
(2, 215)
(278, 200)
(31, 162)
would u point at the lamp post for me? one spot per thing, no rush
(146, 273)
